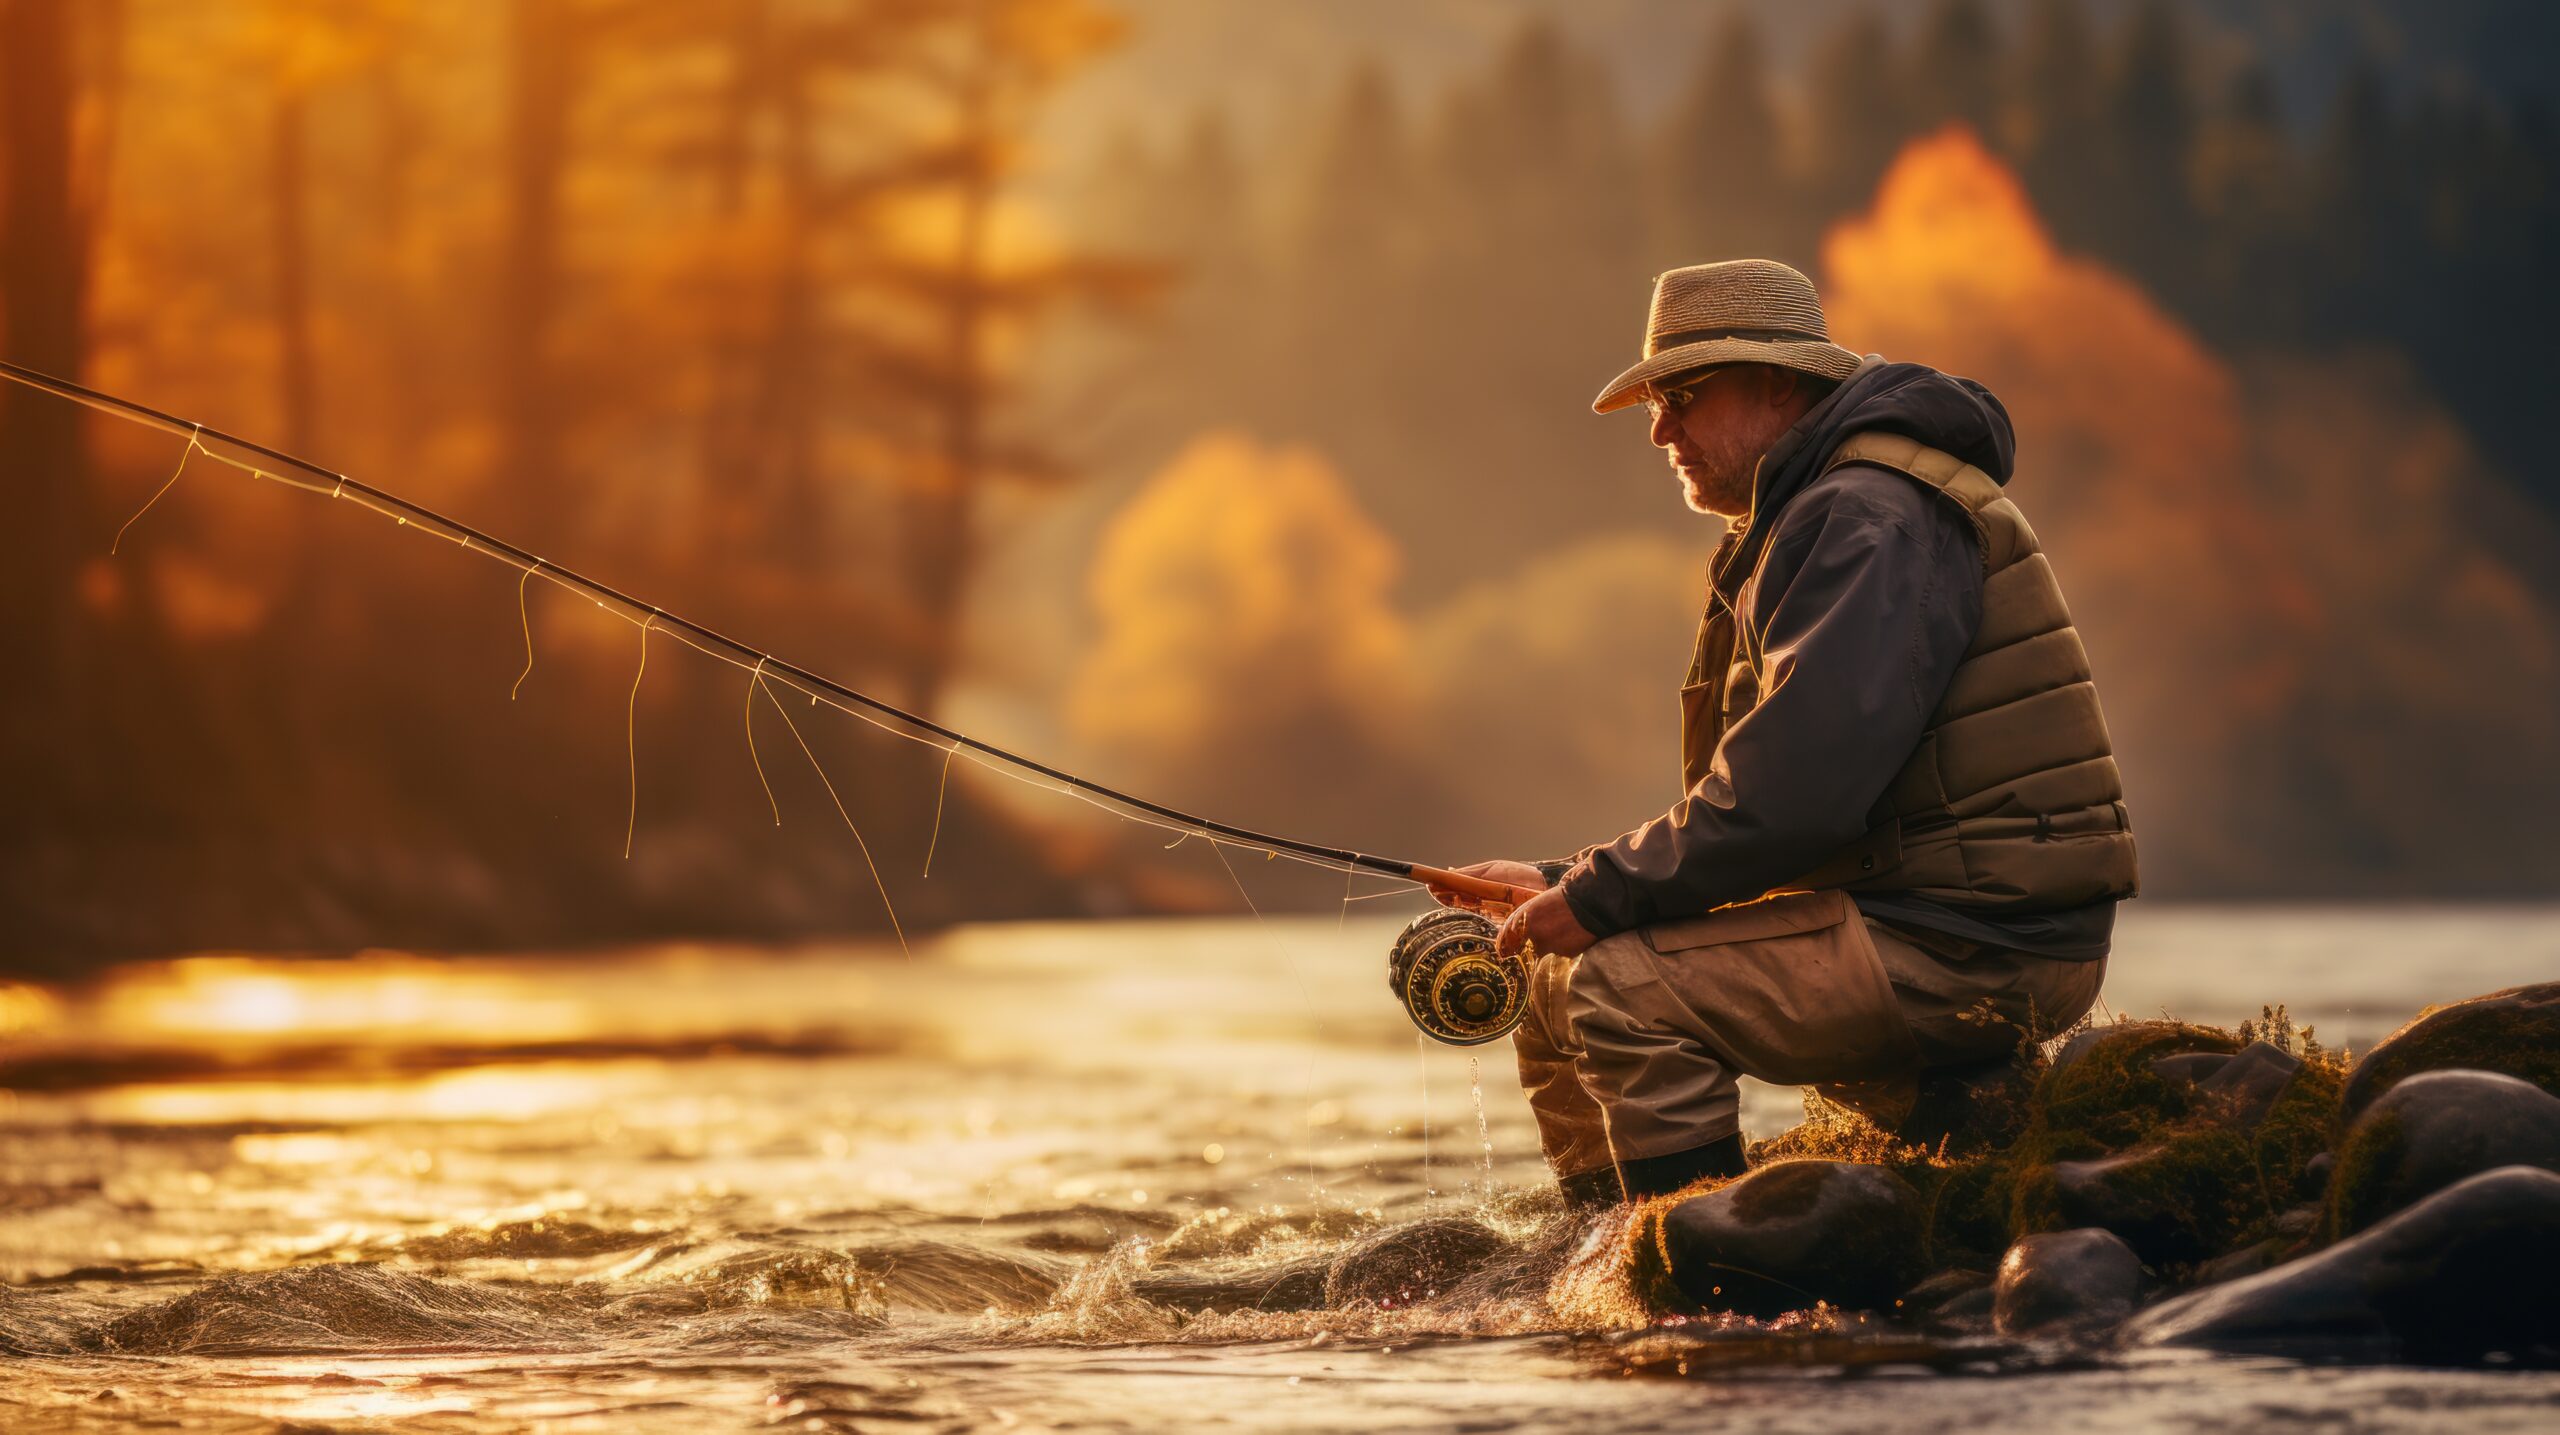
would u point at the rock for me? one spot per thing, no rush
(2298, 1221)
(2433, 1129)
(2246, 1261)
(2189, 1066)
(2516, 1031)
(2176, 1200)
(2066, 1282)
(1794, 1233)
(2076, 1047)
(1945, 1286)
(2462, 1274)
(1410, 1263)
(2242, 1089)
(2102, 1093)
(1967, 1314)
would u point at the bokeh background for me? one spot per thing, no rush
(1194, 393)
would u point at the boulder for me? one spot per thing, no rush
(2179, 1199)
(2144, 1041)
(1792, 1234)
(1965, 1315)
(2189, 1067)
(2516, 1031)
(2465, 1273)
(2066, 1283)
(2240, 1091)
(2246, 1261)
(1409, 1263)
(2433, 1129)
(2102, 1093)
(1945, 1286)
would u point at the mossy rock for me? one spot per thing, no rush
(1966, 1198)
(2297, 1128)
(1968, 1210)
(2431, 1131)
(2109, 1098)
(1785, 1237)
(2171, 1173)
(2515, 1032)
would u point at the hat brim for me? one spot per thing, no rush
(1809, 356)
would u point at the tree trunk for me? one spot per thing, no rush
(940, 546)
(44, 265)
(541, 63)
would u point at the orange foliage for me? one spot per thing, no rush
(2240, 575)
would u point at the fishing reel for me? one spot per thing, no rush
(1455, 987)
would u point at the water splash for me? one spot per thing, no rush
(1422, 1063)
(1484, 1132)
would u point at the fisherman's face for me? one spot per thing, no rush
(1715, 435)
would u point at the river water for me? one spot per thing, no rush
(834, 1188)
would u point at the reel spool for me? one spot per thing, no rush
(1454, 987)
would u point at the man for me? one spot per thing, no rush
(1903, 834)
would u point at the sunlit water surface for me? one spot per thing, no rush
(833, 1188)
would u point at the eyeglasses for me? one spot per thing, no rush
(1660, 399)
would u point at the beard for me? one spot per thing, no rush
(1720, 482)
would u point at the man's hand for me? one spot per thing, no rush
(1544, 922)
(1518, 874)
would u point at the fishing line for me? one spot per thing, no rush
(1306, 1005)
(524, 616)
(183, 455)
(755, 679)
(761, 666)
(886, 905)
(941, 791)
(631, 737)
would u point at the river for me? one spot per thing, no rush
(837, 1188)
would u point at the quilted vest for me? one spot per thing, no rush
(2011, 800)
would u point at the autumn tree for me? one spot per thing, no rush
(1720, 159)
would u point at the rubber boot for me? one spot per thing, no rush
(1662, 1175)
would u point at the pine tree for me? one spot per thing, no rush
(1957, 70)
(1857, 114)
(2249, 208)
(2150, 124)
(1718, 170)
(2058, 132)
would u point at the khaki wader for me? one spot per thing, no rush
(1632, 1050)
(2010, 802)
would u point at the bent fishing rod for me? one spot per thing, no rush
(265, 462)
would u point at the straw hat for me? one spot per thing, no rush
(1742, 311)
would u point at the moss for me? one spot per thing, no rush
(2352, 1197)
(2515, 1032)
(1969, 1211)
(2199, 1188)
(2302, 1123)
(1966, 1197)
(2111, 1099)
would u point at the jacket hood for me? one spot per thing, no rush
(1954, 415)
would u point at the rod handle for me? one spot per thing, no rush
(1483, 889)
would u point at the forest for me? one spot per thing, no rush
(1250, 462)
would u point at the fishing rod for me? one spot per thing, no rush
(265, 462)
